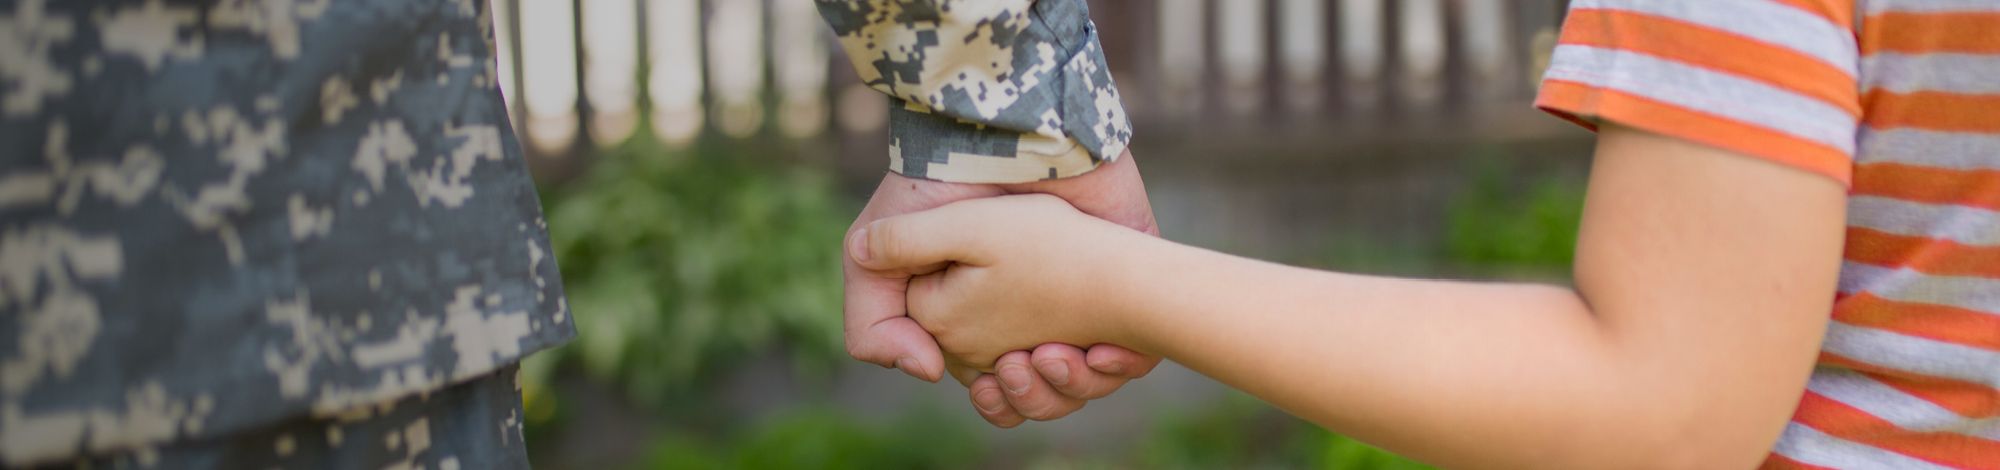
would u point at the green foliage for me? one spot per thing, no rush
(1242, 432)
(820, 438)
(675, 264)
(1495, 224)
(1341, 453)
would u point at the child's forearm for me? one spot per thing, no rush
(1703, 284)
(1429, 369)
(1505, 375)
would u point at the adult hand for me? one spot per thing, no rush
(1062, 377)
(1062, 380)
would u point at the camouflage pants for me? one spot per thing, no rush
(472, 425)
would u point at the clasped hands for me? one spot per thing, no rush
(926, 292)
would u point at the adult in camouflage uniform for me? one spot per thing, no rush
(989, 97)
(300, 232)
(251, 233)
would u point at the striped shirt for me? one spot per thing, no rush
(1899, 100)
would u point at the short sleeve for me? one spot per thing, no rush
(1773, 79)
(1002, 91)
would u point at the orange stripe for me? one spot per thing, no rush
(1573, 100)
(1838, 12)
(1971, 188)
(1780, 462)
(1967, 32)
(1965, 398)
(1971, 400)
(1933, 110)
(1836, 360)
(1850, 423)
(1698, 45)
(1922, 254)
(1938, 322)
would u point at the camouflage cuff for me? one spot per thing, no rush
(986, 92)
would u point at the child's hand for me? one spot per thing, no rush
(1005, 274)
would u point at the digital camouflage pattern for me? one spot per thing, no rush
(474, 425)
(986, 91)
(221, 215)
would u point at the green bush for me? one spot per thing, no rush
(1242, 432)
(676, 264)
(1495, 223)
(819, 438)
(1341, 453)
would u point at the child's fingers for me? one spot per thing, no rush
(1063, 366)
(992, 403)
(1117, 361)
(927, 303)
(1030, 395)
(964, 374)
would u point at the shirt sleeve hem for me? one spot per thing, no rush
(1588, 105)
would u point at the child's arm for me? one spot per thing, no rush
(1703, 282)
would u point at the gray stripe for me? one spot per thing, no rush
(1944, 72)
(1960, 224)
(1892, 405)
(1927, 6)
(1706, 91)
(1941, 149)
(1762, 20)
(1809, 446)
(1913, 354)
(1904, 285)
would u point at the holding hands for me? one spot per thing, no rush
(1023, 375)
(999, 274)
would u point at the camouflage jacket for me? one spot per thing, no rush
(987, 91)
(216, 214)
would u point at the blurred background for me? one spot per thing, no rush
(700, 160)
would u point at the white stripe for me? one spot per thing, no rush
(1967, 225)
(1892, 405)
(1811, 447)
(1705, 91)
(1945, 72)
(1905, 285)
(1928, 6)
(1940, 149)
(1763, 20)
(1909, 353)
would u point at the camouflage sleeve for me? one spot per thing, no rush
(990, 91)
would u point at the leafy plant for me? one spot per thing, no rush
(826, 439)
(1495, 224)
(678, 263)
(1342, 453)
(1242, 432)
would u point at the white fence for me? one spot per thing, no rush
(580, 73)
